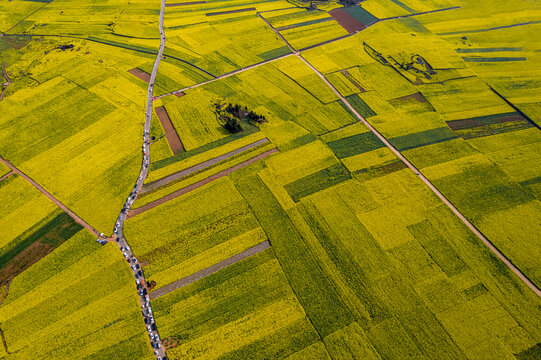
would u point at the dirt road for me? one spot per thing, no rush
(487, 242)
(51, 197)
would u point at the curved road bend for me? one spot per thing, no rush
(138, 275)
(487, 242)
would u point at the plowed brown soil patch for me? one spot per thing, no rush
(140, 74)
(485, 120)
(170, 133)
(179, 94)
(24, 260)
(348, 22)
(416, 97)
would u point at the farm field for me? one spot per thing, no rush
(445, 128)
(78, 157)
(310, 219)
(317, 180)
(78, 301)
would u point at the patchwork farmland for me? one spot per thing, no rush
(318, 180)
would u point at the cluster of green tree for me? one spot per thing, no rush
(230, 116)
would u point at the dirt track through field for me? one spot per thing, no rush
(201, 166)
(210, 270)
(481, 237)
(235, 72)
(51, 197)
(171, 133)
(198, 184)
(5, 176)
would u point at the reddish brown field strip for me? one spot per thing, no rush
(198, 184)
(230, 11)
(353, 81)
(348, 22)
(180, 94)
(416, 97)
(485, 120)
(170, 132)
(140, 74)
(186, 3)
(201, 166)
(210, 270)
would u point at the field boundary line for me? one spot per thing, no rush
(238, 71)
(6, 84)
(57, 202)
(209, 270)
(26, 17)
(199, 184)
(516, 108)
(121, 47)
(199, 167)
(226, 75)
(481, 237)
(5, 176)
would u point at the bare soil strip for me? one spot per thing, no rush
(51, 197)
(230, 11)
(180, 94)
(170, 132)
(464, 124)
(348, 22)
(5, 176)
(210, 270)
(201, 166)
(186, 3)
(198, 184)
(140, 74)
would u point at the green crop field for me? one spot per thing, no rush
(319, 180)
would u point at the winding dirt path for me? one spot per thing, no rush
(57, 202)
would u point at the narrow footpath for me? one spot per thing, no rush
(50, 196)
(487, 242)
(139, 277)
